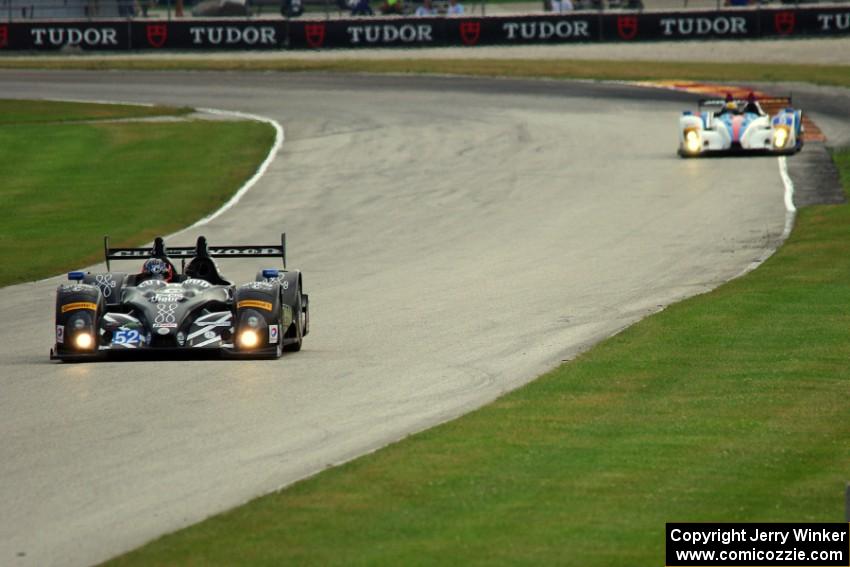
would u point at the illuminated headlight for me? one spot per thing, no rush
(249, 338)
(84, 341)
(780, 137)
(692, 141)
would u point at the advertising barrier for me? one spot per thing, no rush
(210, 34)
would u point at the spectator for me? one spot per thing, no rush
(426, 9)
(454, 9)
(391, 7)
(360, 8)
(562, 5)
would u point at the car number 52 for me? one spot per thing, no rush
(126, 337)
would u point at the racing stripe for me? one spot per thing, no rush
(737, 122)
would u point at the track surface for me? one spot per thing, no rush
(457, 238)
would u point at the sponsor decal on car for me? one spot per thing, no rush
(105, 283)
(167, 297)
(60, 334)
(79, 305)
(274, 334)
(245, 303)
(166, 316)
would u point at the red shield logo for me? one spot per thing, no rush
(314, 34)
(157, 34)
(4, 36)
(627, 27)
(784, 22)
(470, 32)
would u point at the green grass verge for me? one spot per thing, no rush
(730, 406)
(65, 185)
(14, 111)
(835, 75)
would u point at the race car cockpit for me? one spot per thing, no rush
(203, 267)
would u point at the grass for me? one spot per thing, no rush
(14, 111)
(834, 75)
(730, 406)
(65, 185)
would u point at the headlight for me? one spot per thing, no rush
(780, 137)
(84, 341)
(692, 142)
(249, 338)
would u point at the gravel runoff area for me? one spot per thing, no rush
(804, 51)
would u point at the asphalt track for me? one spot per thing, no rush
(457, 236)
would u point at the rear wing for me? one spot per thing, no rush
(200, 250)
(780, 100)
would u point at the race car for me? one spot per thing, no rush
(161, 310)
(735, 126)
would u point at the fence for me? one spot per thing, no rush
(399, 31)
(169, 10)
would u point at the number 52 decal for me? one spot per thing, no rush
(126, 337)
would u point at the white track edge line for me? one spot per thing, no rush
(279, 138)
(144, 104)
(789, 185)
(790, 216)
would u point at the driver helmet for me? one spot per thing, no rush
(157, 268)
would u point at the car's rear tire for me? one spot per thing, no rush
(297, 323)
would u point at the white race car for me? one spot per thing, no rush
(734, 126)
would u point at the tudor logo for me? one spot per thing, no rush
(718, 25)
(783, 22)
(233, 35)
(391, 33)
(470, 32)
(627, 27)
(83, 36)
(157, 34)
(4, 36)
(315, 35)
(537, 30)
